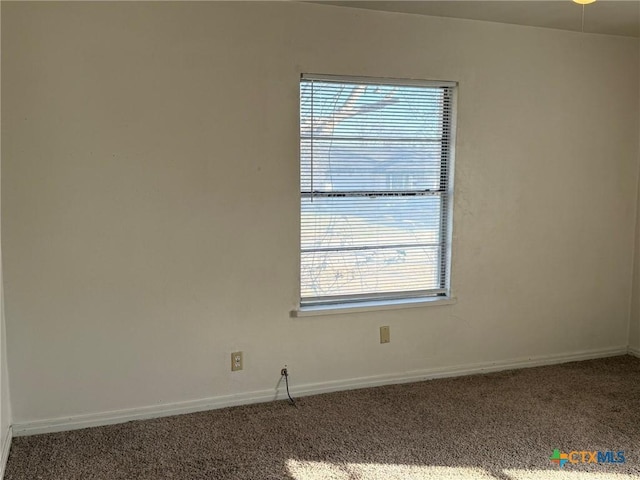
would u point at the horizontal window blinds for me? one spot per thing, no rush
(375, 189)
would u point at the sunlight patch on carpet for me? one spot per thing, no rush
(303, 470)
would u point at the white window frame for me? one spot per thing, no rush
(440, 296)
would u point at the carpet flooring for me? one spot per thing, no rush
(496, 426)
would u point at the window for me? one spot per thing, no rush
(376, 190)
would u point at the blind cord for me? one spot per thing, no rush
(313, 126)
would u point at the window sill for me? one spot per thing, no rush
(372, 306)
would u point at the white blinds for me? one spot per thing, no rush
(375, 189)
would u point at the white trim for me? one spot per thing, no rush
(121, 416)
(371, 306)
(377, 80)
(61, 424)
(634, 351)
(4, 454)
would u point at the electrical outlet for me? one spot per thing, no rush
(236, 361)
(385, 336)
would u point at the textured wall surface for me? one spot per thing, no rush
(150, 197)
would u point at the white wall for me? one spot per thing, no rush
(150, 197)
(5, 405)
(5, 401)
(634, 324)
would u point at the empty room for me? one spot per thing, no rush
(320, 240)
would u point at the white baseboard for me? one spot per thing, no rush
(4, 452)
(121, 416)
(634, 351)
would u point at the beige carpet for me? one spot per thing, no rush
(497, 426)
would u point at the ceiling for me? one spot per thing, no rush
(613, 17)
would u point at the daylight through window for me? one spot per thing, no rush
(376, 190)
